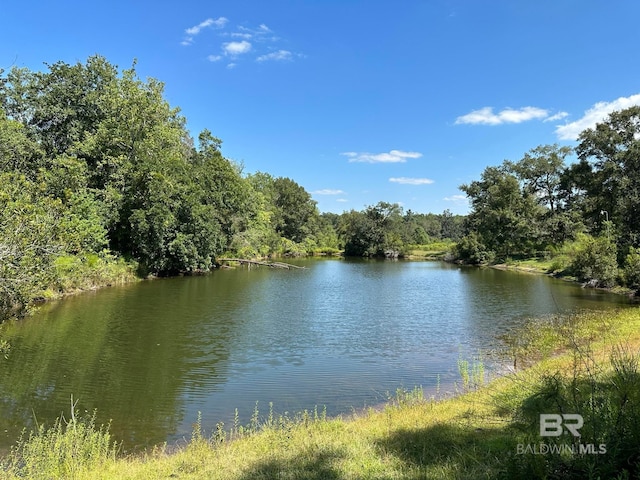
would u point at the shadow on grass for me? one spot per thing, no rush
(317, 465)
(450, 450)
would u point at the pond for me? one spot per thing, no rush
(339, 334)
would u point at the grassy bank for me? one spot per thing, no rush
(430, 251)
(586, 364)
(78, 273)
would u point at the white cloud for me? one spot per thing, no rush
(485, 116)
(328, 191)
(596, 114)
(259, 41)
(232, 65)
(219, 23)
(394, 156)
(341, 200)
(246, 36)
(236, 48)
(245, 32)
(411, 181)
(557, 116)
(280, 55)
(195, 30)
(458, 199)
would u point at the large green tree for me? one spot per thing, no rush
(610, 165)
(541, 172)
(377, 231)
(294, 209)
(505, 216)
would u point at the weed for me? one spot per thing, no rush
(472, 374)
(62, 451)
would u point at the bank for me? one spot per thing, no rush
(545, 267)
(585, 364)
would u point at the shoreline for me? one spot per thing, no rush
(617, 290)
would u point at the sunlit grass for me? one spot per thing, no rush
(431, 250)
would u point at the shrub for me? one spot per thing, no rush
(632, 268)
(470, 249)
(597, 262)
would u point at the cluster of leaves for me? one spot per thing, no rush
(540, 202)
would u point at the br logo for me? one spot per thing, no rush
(554, 425)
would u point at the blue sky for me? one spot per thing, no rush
(359, 101)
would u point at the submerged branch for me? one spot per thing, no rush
(257, 262)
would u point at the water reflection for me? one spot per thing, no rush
(148, 357)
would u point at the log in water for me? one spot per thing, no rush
(257, 262)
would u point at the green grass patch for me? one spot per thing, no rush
(431, 250)
(89, 271)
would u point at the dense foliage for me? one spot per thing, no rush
(540, 203)
(100, 179)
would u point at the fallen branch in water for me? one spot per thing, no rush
(257, 262)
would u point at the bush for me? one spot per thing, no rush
(470, 249)
(290, 248)
(597, 262)
(88, 271)
(559, 264)
(632, 268)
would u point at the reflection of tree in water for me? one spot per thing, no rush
(129, 352)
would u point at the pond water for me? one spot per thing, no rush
(339, 334)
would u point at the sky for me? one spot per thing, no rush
(359, 101)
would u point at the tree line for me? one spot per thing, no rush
(100, 180)
(541, 203)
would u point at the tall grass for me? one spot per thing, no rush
(607, 396)
(65, 450)
(472, 373)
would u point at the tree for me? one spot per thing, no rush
(452, 225)
(375, 232)
(505, 217)
(59, 106)
(610, 158)
(18, 152)
(540, 170)
(294, 209)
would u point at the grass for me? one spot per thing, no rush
(587, 364)
(90, 271)
(433, 250)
